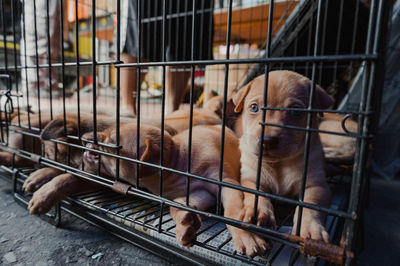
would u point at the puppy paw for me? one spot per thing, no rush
(314, 230)
(38, 178)
(249, 244)
(187, 224)
(265, 217)
(42, 201)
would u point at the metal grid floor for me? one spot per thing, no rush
(135, 217)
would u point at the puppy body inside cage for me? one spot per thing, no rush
(242, 163)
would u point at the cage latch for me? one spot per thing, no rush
(120, 187)
(326, 251)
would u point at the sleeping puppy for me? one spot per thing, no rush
(205, 162)
(49, 179)
(44, 198)
(337, 147)
(175, 122)
(20, 141)
(339, 150)
(283, 148)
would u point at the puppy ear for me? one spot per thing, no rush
(151, 154)
(322, 100)
(238, 98)
(55, 129)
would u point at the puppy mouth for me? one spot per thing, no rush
(91, 156)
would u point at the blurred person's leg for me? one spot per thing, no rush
(175, 87)
(29, 46)
(128, 77)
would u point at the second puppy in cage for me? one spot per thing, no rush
(283, 149)
(205, 150)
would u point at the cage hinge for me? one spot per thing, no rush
(120, 187)
(326, 251)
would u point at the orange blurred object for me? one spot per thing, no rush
(103, 7)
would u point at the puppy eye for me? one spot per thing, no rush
(295, 113)
(254, 108)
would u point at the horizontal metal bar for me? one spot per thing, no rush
(296, 59)
(317, 130)
(315, 110)
(322, 58)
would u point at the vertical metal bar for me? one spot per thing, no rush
(4, 37)
(309, 121)
(265, 103)
(310, 30)
(338, 39)
(139, 13)
(118, 93)
(49, 56)
(323, 39)
(189, 156)
(78, 95)
(25, 64)
(156, 34)
(210, 29)
(164, 13)
(185, 27)
(63, 64)
(37, 64)
(226, 80)
(371, 96)
(202, 14)
(15, 59)
(177, 27)
(354, 36)
(94, 64)
(163, 94)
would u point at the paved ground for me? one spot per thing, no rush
(28, 240)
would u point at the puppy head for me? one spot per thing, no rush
(286, 89)
(55, 130)
(149, 151)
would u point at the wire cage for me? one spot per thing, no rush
(73, 61)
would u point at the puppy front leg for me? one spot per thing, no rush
(6, 158)
(39, 178)
(187, 223)
(312, 222)
(243, 241)
(265, 210)
(56, 190)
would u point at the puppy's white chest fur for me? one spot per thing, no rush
(277, 178)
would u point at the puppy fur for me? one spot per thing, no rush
(283, 148)
(30, 124)
(46, 185)
(204, 162)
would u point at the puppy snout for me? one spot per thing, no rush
(270, 141)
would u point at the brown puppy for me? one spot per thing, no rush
(44, 182)
(179, 120)
(204, 162)
(337, 147)
(17, 141)
(47, 196)
(283, 148)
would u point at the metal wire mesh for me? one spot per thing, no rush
(327, 41)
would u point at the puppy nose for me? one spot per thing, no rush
(271, 140)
